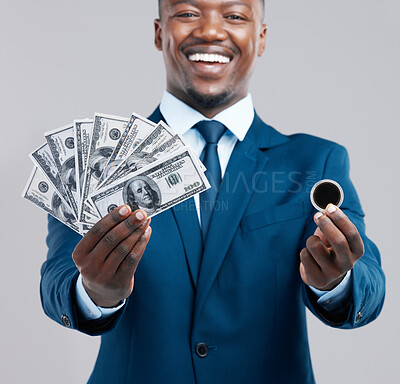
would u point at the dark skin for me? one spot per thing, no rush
(108, 255)
(332, 251)
(232, 29)
(210, 49)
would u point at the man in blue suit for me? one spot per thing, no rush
(222, 299)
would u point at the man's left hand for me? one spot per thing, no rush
(332, 251)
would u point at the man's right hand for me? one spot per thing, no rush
(108, 255)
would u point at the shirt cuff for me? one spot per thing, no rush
(338, 296)
(89, 310)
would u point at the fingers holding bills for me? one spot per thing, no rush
(88, 168)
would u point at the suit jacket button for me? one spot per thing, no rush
(66, 321)
(358, 317)
(201, 350)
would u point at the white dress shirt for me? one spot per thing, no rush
(237, 119)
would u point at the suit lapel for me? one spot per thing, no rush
(186, 218)
(238, 184)
(188, 223)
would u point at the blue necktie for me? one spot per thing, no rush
(211, 131)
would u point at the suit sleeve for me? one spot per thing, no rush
(367, 280)
(58, 281)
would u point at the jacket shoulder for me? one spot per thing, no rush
(318, 142)
(267, 136)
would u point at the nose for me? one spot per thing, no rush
(210, 28)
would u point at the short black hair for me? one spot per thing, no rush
(159, 6)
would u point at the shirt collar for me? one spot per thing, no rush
(180, 117)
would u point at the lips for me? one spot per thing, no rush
(208, 62)
(209, 58)
(209, 54)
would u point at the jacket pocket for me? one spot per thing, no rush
(273, 215)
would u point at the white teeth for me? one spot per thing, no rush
(209, 58)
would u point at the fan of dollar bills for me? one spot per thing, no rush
(90, 167)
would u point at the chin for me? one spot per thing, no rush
(207, 100)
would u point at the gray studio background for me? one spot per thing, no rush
(331, 69)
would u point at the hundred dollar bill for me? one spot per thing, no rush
(42, 193)
(107, 130)
(83, 130)
(161, 139)
(136, 130)
(155, 188)
(62, 145)
(44, 160)
(160, 134)
(141, 158)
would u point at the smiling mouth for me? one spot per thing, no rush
(209, 58)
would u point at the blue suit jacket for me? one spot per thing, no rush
(245, 299)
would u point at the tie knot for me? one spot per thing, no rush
(211, 130)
